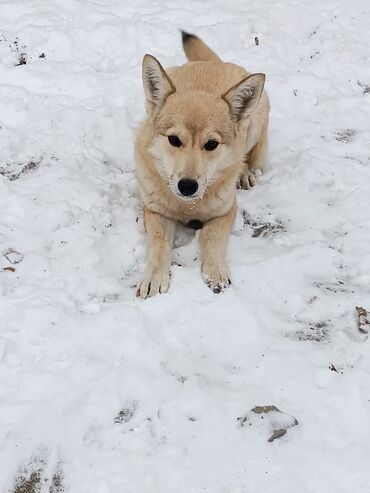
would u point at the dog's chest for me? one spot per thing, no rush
(198, 211)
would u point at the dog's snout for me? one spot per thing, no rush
(187, 186)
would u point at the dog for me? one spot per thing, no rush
(205, 134)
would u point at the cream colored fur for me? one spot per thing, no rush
(201, 101)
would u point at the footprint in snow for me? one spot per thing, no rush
(31, 476)
(346, 135)
(13, 256)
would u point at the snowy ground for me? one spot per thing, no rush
(101, 392)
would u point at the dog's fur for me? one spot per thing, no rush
(200, 101)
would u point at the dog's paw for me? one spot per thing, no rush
(154, 281)
(216, 277)
(247, 180)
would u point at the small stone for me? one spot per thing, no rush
(22, 60)
(276, 421)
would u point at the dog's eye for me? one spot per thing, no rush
(211, 145)
(174, 140)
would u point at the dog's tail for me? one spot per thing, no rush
(196, 50)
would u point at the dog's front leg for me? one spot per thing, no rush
(213, 241)
(160, 231)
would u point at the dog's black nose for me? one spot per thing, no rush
(187, 186)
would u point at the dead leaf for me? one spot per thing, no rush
(277, 434)
(362, 319)
(265, 409)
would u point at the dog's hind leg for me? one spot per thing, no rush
(160, 232)
(256, 159)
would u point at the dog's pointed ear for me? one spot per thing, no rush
(244, 96)
(157, 85)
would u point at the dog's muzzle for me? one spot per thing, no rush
(187, 186)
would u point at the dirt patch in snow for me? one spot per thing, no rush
(261, 228)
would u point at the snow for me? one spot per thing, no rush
(104, 392)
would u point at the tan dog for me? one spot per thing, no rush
(205, 132)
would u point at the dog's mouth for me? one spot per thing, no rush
(193, 198)
(187, 189)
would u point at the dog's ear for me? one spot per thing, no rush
(157, 85)
(244, 96)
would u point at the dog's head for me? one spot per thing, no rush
(196, 134)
